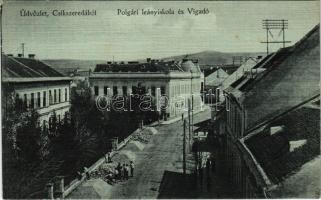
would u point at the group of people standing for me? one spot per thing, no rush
(124, 171)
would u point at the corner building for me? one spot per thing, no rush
(179, 81)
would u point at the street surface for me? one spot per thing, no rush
(158, 169)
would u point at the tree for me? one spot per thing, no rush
(21, 140)
(29, 139)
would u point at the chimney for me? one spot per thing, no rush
(148, 60)
(31, 56)
(50, 191)
(20, 55)
(59, 186)
(276, 129)
(195, 61)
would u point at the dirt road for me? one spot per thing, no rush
(158, 169)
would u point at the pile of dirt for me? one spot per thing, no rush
(134, 146)
(124, 156)
(144, 135)
(151, 130)
(106, 172)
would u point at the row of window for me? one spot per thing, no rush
(135, 90)
(34, 101)
(185, 89)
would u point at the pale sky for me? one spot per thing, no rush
(229, 27)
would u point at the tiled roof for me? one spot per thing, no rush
(272, 61)
(305, 183)
(247, 65)
(216, 78)
(292, 75)
(160, 66)
(285, 152)
(14, 67)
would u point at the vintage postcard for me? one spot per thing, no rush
(160, 99)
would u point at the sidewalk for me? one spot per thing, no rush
(175, 119)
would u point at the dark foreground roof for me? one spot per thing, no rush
(287, 151)
(16, 67)
(291, 76)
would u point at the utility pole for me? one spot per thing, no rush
(23, 49)
(189, 123)
(184, 147)
(192, 115)
(283, 32)
(274, 24)
(237, 58)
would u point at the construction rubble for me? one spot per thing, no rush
(138, 141)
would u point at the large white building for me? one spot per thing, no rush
(178, 81)
(39, 86)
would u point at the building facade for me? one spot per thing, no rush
(37, 85)
(178, 81)
(256, 150)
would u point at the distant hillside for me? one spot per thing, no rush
(68, 65)
(205, 58)
(215, 57)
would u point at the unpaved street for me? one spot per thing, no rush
(158, 169)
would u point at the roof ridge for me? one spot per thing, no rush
(307, 35)
(25, 66)
(268, 60)
(11, 71)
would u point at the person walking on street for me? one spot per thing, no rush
(132, 168)
(125, 171)
(128, 170)
(208, 166)
(213, 165)
(116, 174)
(208, 183)
(201, 175)
(122, 172)
(118, 168)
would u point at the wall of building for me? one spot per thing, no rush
(43, 102)
(178, 89)
(119, 83)
(232, 165)
(182, 91)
